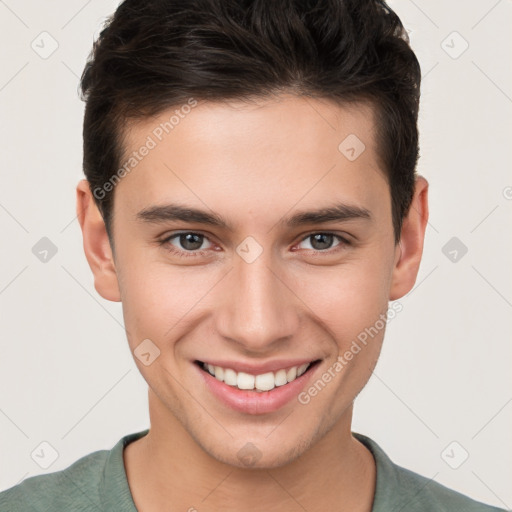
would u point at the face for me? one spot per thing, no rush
(251, 284)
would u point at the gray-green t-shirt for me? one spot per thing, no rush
(97, 483)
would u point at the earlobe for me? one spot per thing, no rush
(410, 248)
(96, 244)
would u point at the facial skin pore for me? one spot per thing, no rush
(253, 165)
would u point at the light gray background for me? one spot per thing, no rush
(66, 375)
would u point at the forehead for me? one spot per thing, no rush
(276, 151)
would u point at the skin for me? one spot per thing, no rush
(253, 164)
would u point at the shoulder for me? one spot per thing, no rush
(429, 495)
(73, 488)
(94, 483)
(398, 488)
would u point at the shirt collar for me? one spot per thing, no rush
(114, 489)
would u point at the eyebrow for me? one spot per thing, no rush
(175, 212)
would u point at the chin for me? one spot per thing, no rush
(259, 452)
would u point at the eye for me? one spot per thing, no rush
(323, 241)
(186, 243)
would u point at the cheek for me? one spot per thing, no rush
(347, 299)
(350, 305)
(160, 301)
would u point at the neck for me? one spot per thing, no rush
(168, 470)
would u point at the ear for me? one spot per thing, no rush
(410, 250)
(96, 243)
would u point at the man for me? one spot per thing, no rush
(251, 199)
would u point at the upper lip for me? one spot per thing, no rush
(258, 368)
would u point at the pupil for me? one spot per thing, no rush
(320, 236)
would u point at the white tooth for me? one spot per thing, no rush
(302, 368)
(280, 378)
(265, 381)
(245, 380)
(230, 377)
(219, 373)
(291, 374)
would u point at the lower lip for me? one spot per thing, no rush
(253, 402)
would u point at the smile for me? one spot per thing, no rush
(262, 382)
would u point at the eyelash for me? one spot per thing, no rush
(196, 253)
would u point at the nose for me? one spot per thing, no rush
(259, 309)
